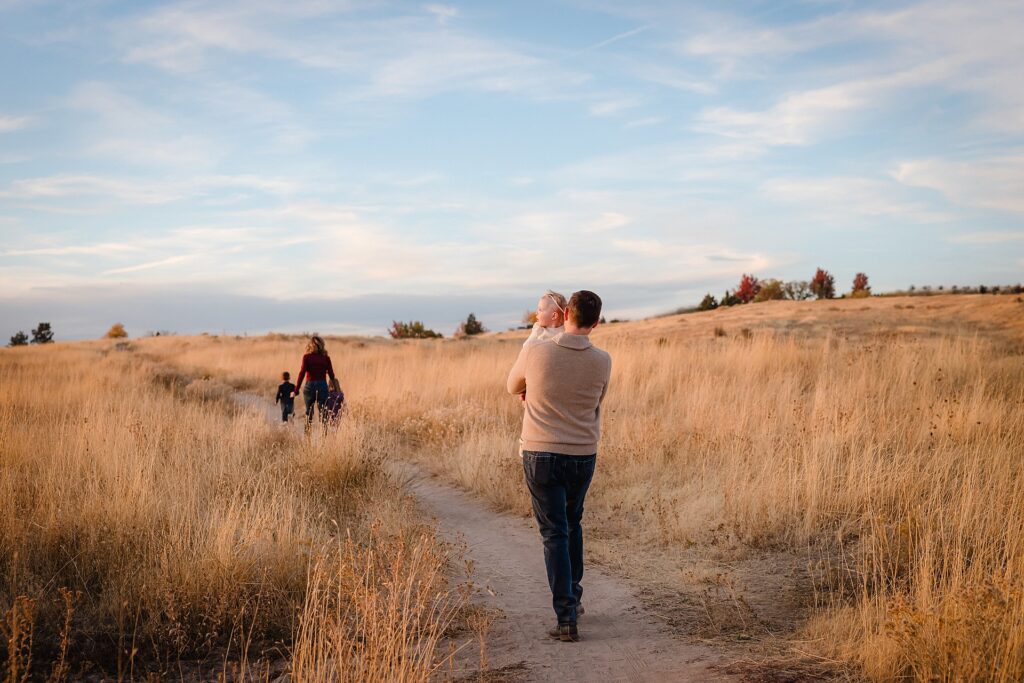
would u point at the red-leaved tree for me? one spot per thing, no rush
(748, 289)
(860, 286)
(823, 285)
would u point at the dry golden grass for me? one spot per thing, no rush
(145, 519)
(886, 434)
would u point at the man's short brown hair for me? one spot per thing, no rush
(584, 308)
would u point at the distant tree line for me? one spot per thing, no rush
(42, 334)
(415, 329)
(752, 290)
(928, 290)
(822, 286)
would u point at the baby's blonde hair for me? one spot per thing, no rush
(558, 299)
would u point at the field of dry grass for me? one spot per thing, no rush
(880, 438)
(878, 441)
(150, 527)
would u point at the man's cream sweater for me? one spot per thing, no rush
(565, 380)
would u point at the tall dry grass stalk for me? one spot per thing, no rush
(184, 526)
(897, 456)
(374, 613)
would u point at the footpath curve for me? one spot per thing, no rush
(620, 640)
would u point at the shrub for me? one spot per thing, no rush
(797, 290)
(19, 339)
(823, 285)
(117, 331)
(729, 299)
(708, 303)
(42, 334)
(470, 327)
(414, 329)
(748, 288)
(860, 286)
(770, 290)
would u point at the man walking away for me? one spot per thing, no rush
(565, 380)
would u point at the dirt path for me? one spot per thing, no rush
(620, 641)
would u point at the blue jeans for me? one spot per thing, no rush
(558, 484)
(315, 396)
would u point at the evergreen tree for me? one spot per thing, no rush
(708, 303)
(42, 334)
(472, 326)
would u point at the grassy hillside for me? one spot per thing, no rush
(845, 474)
(149, 526)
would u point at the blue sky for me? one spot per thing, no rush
(298, 165)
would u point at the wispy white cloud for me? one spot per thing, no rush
(989, 237)
(614, 107)
(959, 47)
(803, 117)
(125, 129)
(11, 123)
(609, 220)
(406, 56)
(58, 186)
(995, 183)
(444, 13)
(849, 196)
(149, 265)
(107, 248)
(113, 190)
(645, 121)
(616, 38)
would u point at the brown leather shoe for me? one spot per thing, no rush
(567, 633)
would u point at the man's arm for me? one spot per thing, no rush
(516, 383)
(607, 380)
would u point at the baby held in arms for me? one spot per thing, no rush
(550, 318)
(550, 322)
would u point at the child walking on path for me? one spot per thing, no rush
(285, 396)
(335, 403)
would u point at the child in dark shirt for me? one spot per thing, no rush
(285, 397)
(335, 403)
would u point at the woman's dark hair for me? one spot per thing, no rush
(316, 345)
(584, 308)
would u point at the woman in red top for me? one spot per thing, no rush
(317, 365)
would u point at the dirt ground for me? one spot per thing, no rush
(625, 634)
(622, 638)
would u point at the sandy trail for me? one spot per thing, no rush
(620, 640)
